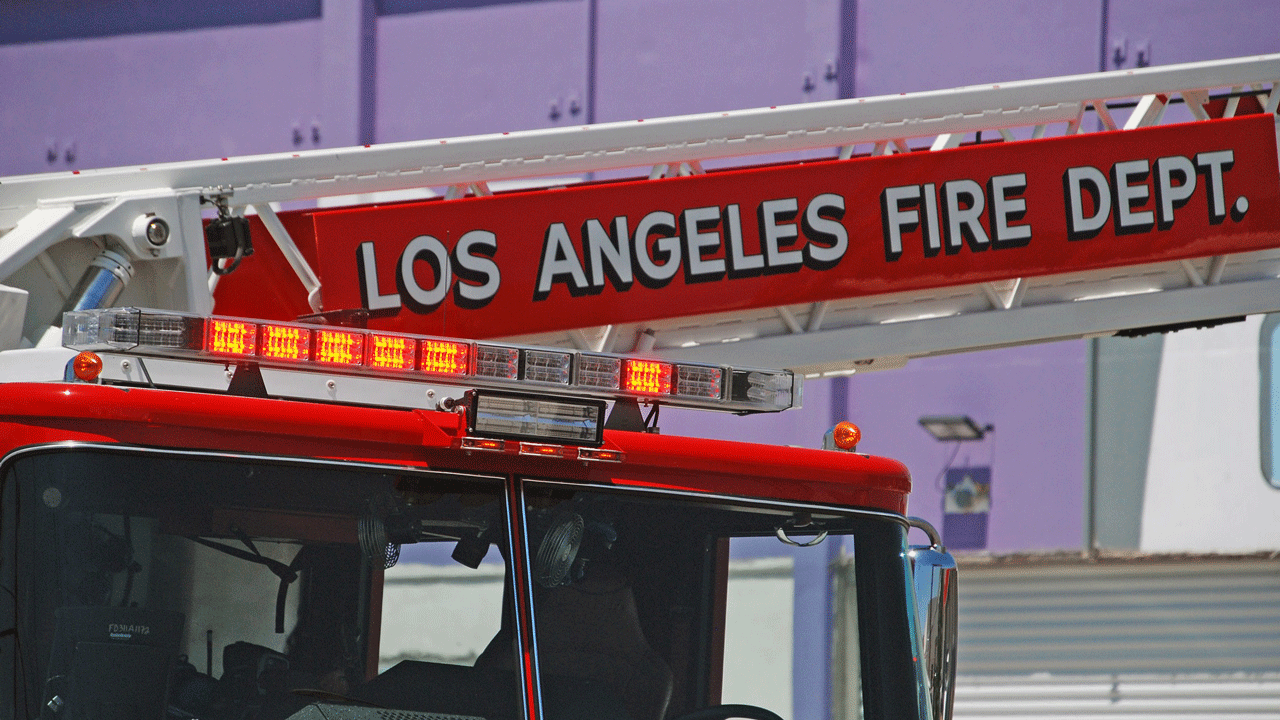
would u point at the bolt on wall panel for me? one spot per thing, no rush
(1163, 32)
(475, 68)
(149, 98)
(914, 45)
(657, 58)
(674, 57)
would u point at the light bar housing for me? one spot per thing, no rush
(467, 364)
(519, 416)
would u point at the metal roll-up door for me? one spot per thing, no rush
(1196, 638)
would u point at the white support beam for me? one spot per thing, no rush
(1149, 111)
(1100, 107)
(789, 319)
(1193, 275)
(1019, 293)
(290, 250)
(55, 275)
(39, 230)
(947, 141)
(1195, 101)
(1000, 328)
(1216, 268)
(817, 312)
(997, 302)
(1233, 103)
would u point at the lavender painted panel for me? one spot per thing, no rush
(24, 22)
(140, 99)
(1175, 31)
(471, 70)
(1035, 398)
(934, 44)
(672, 57)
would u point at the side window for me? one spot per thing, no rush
(1269, 399)
(437, 610)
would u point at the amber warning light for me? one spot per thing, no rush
(545, 372)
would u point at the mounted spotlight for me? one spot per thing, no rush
(954, 427)
(227, 236)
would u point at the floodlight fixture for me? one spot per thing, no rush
(946, 428)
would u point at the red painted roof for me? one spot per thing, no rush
(38, 413)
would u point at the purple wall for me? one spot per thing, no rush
(1034, 396)
(176, 85)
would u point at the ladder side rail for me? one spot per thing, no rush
(284, 177)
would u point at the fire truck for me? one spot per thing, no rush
(281, 378)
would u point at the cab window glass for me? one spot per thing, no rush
(649, 607)
(152, 585)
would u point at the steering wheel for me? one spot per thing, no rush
(721, 712)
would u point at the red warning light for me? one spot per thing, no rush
(231, 337)
(445, 357)
(647, 376)
(391, 352)
(285, 342)
(339, 347)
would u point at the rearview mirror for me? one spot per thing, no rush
(935, 581)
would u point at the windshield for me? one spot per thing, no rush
(651, 606)
(150, 585)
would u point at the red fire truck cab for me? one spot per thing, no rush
(196, 532)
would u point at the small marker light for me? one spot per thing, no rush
(87, 366)
(844, 436)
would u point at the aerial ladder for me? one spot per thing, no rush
(831, 237)
(884, 228)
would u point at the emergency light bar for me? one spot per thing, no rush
(466, 363)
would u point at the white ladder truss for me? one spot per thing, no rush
(832, 337)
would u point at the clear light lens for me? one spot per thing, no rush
(391, 352)
(647, 377)
(339, 347)
(169, 331)
(769, 388)
(231, 337)
(445, 357)
(497, 362)
(508, 416)
(285, 342)
(122, 329)
(698, 381)
(598, 371)
(547, 366)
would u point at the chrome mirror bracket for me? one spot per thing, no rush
(934, 580)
